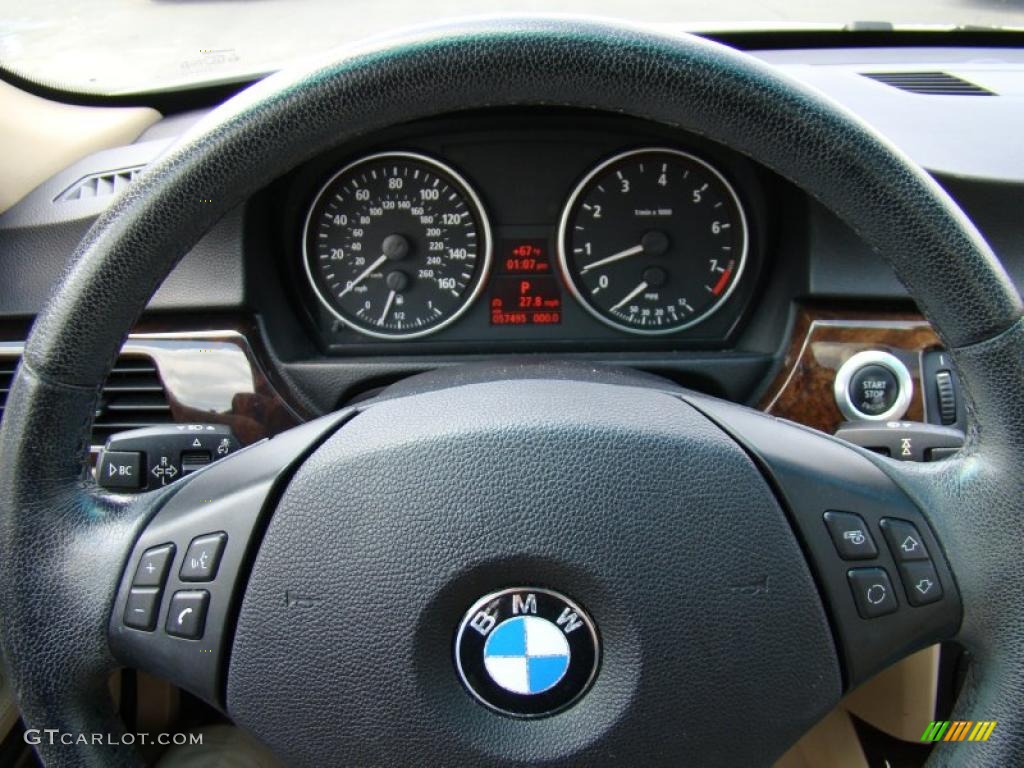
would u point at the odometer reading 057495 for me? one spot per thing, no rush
(653, 241)
(397, 245)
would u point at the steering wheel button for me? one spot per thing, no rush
(850, 535)
(904, 540)
(153, 566)
(203, 557)
(186, 615)
(141, 608)
(119, 469)
(921, 582)
(872, 591)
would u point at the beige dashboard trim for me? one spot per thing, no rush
(39, 137)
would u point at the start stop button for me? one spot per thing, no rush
(873, 389)
(873, 386)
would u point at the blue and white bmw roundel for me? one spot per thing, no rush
(527, 652)
(526, 655)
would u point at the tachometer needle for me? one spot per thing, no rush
(365, 273)
(387, 307)
(614, 257)
(638, 290)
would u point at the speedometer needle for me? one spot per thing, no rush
(365, 273)
(638, 290)
(614, 257)
(387, 307)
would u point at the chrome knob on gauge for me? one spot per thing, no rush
(397, 245)
(653, 241)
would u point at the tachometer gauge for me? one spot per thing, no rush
(397, 245)
(653, 241)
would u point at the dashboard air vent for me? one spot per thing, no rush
(7, 367)
(100, 184)
(133, 396)
(929, 83)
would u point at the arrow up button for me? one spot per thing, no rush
(904, 540)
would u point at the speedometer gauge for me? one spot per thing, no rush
(653, 241)
(397, 245)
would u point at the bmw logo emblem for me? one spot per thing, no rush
(526, 652)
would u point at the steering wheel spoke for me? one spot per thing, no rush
(881, 570)
(173, 613)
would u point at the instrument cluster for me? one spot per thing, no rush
(540, 236)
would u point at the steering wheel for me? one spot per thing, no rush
(685, 533)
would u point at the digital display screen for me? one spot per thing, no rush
(526, 290)
(524, 257)
(525, 300)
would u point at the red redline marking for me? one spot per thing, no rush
(722, 282)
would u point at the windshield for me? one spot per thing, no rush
(126, 46)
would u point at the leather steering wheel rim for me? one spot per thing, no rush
(55, 525)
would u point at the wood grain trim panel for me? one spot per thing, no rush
(214, 377)
(822, 340)
(209, 377)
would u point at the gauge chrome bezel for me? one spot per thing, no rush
(563, 256)
(473, 200)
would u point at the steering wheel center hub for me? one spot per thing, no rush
(413, 527)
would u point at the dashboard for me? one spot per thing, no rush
(549, 234)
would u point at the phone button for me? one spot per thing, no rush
(186, 615)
